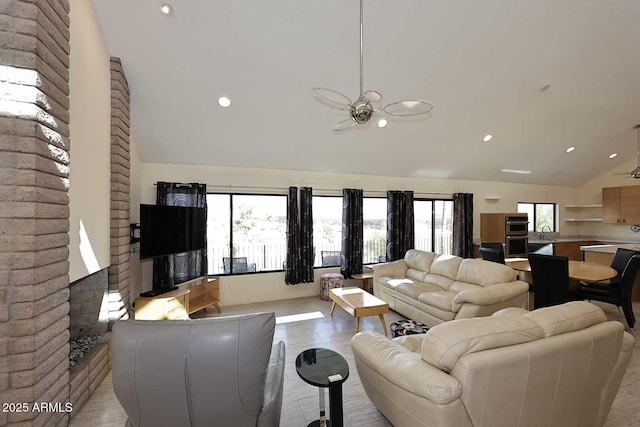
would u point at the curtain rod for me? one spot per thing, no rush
(249, 187)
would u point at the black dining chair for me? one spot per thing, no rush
(540, 248)
(330, 258)
(550, 279)
(491, 254)
(617, 291)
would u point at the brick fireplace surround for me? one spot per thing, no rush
(35, 148)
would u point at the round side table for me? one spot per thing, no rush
(325, 368)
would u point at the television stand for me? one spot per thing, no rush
(156, 292)
(187, 298)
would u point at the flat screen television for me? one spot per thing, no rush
(166, 230)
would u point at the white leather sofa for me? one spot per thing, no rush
(432, 288)
(557, 366)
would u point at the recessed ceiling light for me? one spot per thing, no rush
(516, 171)
(166, 9)
(382, 123)
(224, 102)
(612, 155)
(545, 87)
(487, 138)
(570, 149)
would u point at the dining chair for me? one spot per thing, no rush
(330, 258)
(540, 248)
(617, 291)
(491, 254)
(550, 279)
(240, 265)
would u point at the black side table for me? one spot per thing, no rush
(325, 368)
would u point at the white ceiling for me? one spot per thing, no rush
(481, 63)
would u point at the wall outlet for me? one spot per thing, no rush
(224, 286)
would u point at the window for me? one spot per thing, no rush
(374, 219)
(246, 233)
(540, 215)
(327, 230)
(433, 225)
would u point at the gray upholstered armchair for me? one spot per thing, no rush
(219, 371)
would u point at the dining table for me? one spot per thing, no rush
(578, 270)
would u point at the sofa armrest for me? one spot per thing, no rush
(274, 382)
(493, 294)
(405, 368)
(391, 269)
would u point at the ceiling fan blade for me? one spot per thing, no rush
(636, 173)
(373, 96)
(332, 98)
(344, 125)
(408, 108)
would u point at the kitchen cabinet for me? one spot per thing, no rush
(570, 249)
(621, 205)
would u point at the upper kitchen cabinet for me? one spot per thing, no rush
(621, 205)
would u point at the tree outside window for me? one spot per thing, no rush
(541, 215)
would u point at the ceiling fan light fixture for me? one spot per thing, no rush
(382, 123)
(361, 110)
(408, 108)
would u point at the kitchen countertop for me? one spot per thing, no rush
(610, 248)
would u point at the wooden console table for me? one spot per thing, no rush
(190, 297)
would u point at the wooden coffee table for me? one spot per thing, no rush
(359, 303)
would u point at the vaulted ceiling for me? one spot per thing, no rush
(483, 65)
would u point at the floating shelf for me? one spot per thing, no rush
(583, 219)
(593, 205)
(492, 197)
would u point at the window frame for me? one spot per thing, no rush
(535, 205)
(433, 216)
(230, 216)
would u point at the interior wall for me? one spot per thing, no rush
(270, 286)
(591, 192)
(134, 214)
(90, 108)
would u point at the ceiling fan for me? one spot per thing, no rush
(367, 104)
(636, 172)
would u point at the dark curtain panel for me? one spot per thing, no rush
(400, 224)
(169, 270)
(463, 225)
(299, 265)
(293, 267)
(352, 233)
(306, 235)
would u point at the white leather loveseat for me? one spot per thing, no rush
(432, 288)
(558, 366)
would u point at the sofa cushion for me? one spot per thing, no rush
(442, 300)
(484, 273)
(569, 317)
(417, 275)
(445, 343)
(446, 265)
(415, 289)
(442, 282)
(393, 282)
(419, 260)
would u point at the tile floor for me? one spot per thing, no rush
(300, 400)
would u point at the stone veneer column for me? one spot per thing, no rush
(120, 218)
(34, 209)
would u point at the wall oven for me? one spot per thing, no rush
(516, 236)
(516, 226)
(516, 246)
